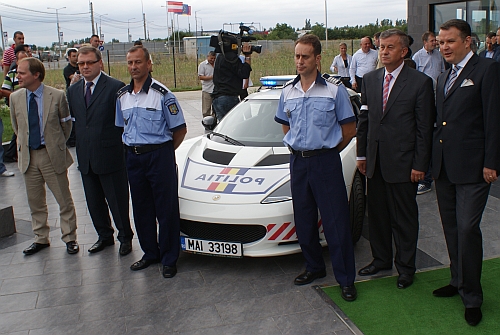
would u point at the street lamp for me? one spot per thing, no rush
(58, 32)
(128, 29)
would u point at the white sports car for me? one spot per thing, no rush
(234, 183)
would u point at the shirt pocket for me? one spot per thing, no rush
(151, 122)
(324, 113)
(291, 112)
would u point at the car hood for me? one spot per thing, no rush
(220, 173)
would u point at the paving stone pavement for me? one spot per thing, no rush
(56, 293)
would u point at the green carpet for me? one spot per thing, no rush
(381, 308)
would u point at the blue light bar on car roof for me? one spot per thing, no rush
(275, 81)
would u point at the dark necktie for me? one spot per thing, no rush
(88, 93)
(34, 123)
(452, 79)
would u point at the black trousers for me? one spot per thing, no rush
(392, 213)
(108, 190)
(461, 208)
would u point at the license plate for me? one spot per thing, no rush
(225, 249)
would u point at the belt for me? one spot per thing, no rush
(142, 149)
(308, 153)
(42, 146)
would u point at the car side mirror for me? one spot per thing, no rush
(209, 122)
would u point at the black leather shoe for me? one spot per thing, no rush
(405, 280)
(445, 291)
(142, 264)
(100, 245)
(169, 271)
(125, 248)
(307, 277)
(34, 248)
(473, 316)
(371, 269)
(349, 293)
(72, 247)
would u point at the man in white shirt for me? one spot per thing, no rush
(363, 61)
(206, 75)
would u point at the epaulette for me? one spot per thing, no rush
(288, 83)
(122, 91)
(160, 89)
(332, 79)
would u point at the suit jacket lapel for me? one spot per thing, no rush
(396, 88)
(463, 75)
(47, 102)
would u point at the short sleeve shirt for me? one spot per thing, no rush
(149, 116)
(205, 69)
(315, 116)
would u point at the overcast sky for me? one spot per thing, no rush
(39, 23)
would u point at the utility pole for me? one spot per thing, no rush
(91, 7)
(58, 28)
(326, 27)
(144, 22)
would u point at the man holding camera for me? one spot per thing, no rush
(229, 73)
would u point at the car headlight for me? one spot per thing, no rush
(282, 193)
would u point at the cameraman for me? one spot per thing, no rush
(229, 73)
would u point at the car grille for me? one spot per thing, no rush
(223, 232)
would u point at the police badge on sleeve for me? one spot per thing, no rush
(173, 108)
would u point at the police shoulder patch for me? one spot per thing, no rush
(332, 79)
(160, 89)
(122, 91)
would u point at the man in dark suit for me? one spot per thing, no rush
(465, 158)
(100, 151)
(394, 148)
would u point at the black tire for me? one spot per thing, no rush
(357, 207)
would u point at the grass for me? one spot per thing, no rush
(383, 309)
(7, 126)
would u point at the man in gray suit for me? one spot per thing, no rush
(100, 150)
(465, 158)
(394, 148)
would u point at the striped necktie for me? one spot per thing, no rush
(387, 81)
(451, 79)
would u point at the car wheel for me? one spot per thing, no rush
(357, 207)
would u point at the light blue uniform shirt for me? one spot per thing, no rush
(149, 116)
(315, 117)
(39, 101)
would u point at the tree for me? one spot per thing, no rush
(115, 40)
(308, 25)
(282, 31)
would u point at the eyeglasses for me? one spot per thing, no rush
(88, 63)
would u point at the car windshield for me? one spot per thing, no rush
(252, 123)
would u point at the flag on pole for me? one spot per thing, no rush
(175, 7)
(186, 10)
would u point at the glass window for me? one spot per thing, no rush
(481, 16)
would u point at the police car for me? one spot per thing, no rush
(234, 182)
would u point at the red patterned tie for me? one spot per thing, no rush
(387, 81)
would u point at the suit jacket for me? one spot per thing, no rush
(56, 127)
(467, 136)
(401, 136)
(98, 141)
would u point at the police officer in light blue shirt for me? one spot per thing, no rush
(318, 122)
(153, 127)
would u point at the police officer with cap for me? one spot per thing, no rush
(154, 127)
(318, 123)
